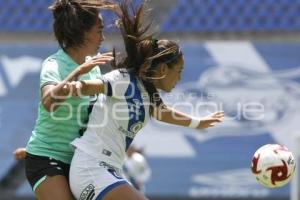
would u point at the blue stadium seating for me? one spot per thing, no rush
(192, 15)
(25, 15)
(234, 16)
(34, 16)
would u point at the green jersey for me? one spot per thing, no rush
(54, 131)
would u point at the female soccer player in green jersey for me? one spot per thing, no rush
(78, 30)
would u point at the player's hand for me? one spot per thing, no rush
(100, 59)
(19, 153)
(73, 88)
(211, 120)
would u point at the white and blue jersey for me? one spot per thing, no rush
(116, 118)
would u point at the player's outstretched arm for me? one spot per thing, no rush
(100, 59)
(53, 94)
(171, 116)
(85, 88)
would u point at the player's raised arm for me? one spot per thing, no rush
(52, 94)
(167, 114)
(85, 88)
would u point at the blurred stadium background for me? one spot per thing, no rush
(241, 55)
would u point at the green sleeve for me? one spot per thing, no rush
(50, 73)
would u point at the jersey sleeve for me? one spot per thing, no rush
(50, 73)
(116, 84)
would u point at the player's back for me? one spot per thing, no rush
(116, 118)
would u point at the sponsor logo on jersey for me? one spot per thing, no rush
(88, 193)
(126, 132)
(136, 127)
(133, 129)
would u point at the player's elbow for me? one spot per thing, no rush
(48, 104)
(48, 98)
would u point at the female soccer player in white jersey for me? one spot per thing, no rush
(127, 98)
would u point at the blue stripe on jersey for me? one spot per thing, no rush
(108, 86)
(109, 89)
(90, 109)
(136, 109)
(128, 142)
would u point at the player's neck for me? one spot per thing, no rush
(78, 55)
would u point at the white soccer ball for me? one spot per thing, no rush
(273, 165)
(137, 168)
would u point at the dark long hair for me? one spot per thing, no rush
(72, 18)
(144, 52)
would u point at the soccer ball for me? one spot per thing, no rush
(273, 165)
(137, 170)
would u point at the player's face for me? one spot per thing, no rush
(95, 36)
(170, 76)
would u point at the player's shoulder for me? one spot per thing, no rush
(59, 58)
(118, 74)
(52, 61)
(118, 82)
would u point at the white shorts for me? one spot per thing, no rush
(91, 179)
